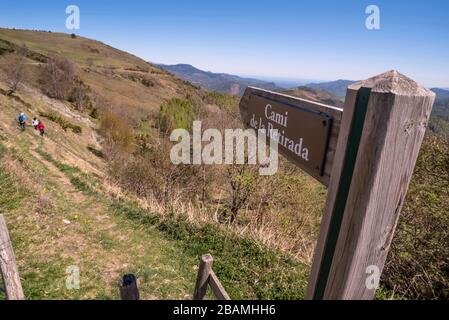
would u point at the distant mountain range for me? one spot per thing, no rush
(221, 82)
(317, 95)
(331, 92)
(442, 94)
(439, 122)
(337, 88)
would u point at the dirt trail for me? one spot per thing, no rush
(101, 237)
(62, 180)
(60, 225)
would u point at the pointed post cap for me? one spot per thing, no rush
(392, 82)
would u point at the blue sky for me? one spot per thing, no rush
(320, 39)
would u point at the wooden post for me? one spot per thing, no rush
(383, 125)
(202, 280)
(217, 288)
(128, 288)
(8, 267)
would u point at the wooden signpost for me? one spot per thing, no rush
(308, 131)
(369, 158)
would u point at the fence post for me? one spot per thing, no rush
(217, 288)
(128, 288)
(383, 125)
(8, 266)
(202, 280)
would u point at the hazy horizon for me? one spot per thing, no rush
(276, 79)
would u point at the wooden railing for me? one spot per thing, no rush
(207, 277)
(128, 284)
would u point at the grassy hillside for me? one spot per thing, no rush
(100, 192)
(125, 81)
(63, 209)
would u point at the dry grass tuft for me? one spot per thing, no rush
(44, 204)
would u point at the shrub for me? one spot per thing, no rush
(150, 173)
(117, 132)
(175, 114)
(76, 129)
(147, 82)
(418, 262)
(63, 123)
(79, 97)
(6, 47)
(94, 113)
(243, 182)
(225, 101)
(36, 56)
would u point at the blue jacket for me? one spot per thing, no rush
(22, 118)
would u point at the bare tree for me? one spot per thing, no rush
(57, 77)
(243, 182)
(15, 72)
(238, 181)
(79, 97)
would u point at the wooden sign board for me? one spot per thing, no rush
(368, 154)
(382, 128)
(304, 127)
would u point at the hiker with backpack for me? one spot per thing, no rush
(22, 120)
(41, 128)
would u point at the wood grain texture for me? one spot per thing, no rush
(334, 112)
(395, 124)
(338, 160)
(202, 280)
(8, 267)
(217, 288)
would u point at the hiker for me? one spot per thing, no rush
(34, 123)
(22, 120)
(41, 128)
